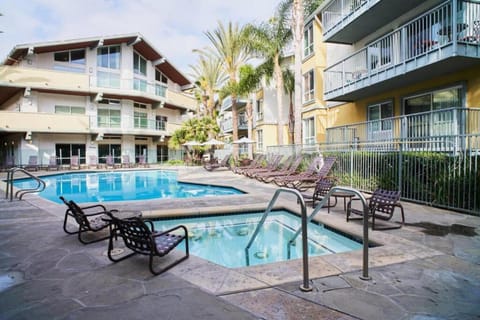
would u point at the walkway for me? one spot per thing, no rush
(429, 269)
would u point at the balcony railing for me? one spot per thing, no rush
(127, 123)
(113, 81)
(423, 126)
(338, 10)
(430, 35)
(227, 124)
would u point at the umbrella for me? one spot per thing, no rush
(244, 140)
(213, 142)
(192, 143)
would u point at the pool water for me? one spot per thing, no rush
(83, 187)
(222, 239)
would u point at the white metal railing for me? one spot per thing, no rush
(430, 31)
(113, 81)
(339, 10)
(127, 123)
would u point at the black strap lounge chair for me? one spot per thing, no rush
(256, 163)
(126, 163)
(74, 163)
(89, 219)
(139, 238)
(142, 161)
(272, 165)
(381, 205)
(313, 167)
(52, 163)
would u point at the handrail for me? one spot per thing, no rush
(319, 206)
(306, 283)
(20, 193)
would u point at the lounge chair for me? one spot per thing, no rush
(322, 187)
(303, 183)
(110, 162)
(381, 205)
(272, 165)
(139, 238)
(225, 163)
(256, 163)
(52, 163)
(93, 162)
(32, 164)
(311, 170)
(74, 163)
(142, 161)
(89, 219)
(126, 163)
(268, 177)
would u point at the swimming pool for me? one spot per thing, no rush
(222, 239)
(110, 186)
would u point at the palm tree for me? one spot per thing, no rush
(268, 41)
(229, 46)
(209, 76)
(298, 20)
(289, 87)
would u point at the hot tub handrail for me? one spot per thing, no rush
(306, 283)
(319, 206)
(10, 173)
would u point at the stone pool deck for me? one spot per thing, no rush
(429, 269)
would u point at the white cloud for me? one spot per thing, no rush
(174, 27)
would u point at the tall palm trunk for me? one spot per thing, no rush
(298, 41)
(279, 87)
(249, 112)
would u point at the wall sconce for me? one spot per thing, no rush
(98, 97)
(99, 137)
(28, 136)
(162, 138)
(162, 104)
(27, 92)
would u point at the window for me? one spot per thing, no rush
(65, 151)
(259, 109)
(140, 120)
(114, 150)
(69, 110)
(140, 84)
(161, 123)
(380, 123)
(308, 86)
(72, 60)
(160, 77)
(259, 140)
(72, 56)
(432, 121)
(162, 153)
(108, 118)
(309, 131)
(308, 40)
(140, 151)
(139, 64)
(109, 57)
(160, 83)
(139, 105)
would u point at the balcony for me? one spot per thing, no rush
(226, 126)
(227, 104)
(443, 40)
(347, 21)
(43, 122)
(130, 125)
(441, 126)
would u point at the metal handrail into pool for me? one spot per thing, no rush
(306, 283)
(319, 206)
(20, 193)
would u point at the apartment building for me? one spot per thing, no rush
(396, 69)
(99, 97)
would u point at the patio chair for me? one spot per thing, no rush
(381, 205)
(302, 183)
(89, 219)
(268, 177)
(141, 239)
(110, 162)
(32, 164)
(126, 163)
(52, 163)
(282, 181)
(209, 166)
(322, 187)
(74, 163)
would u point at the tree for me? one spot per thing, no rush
(289, 87)
(268, 41)
(298, 20)
(209, 77)
(199, 129)
(229, 46)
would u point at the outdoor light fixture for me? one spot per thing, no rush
(27, 92)
(28, 136)
(98, 97)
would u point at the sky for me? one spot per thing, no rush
(173, 27)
